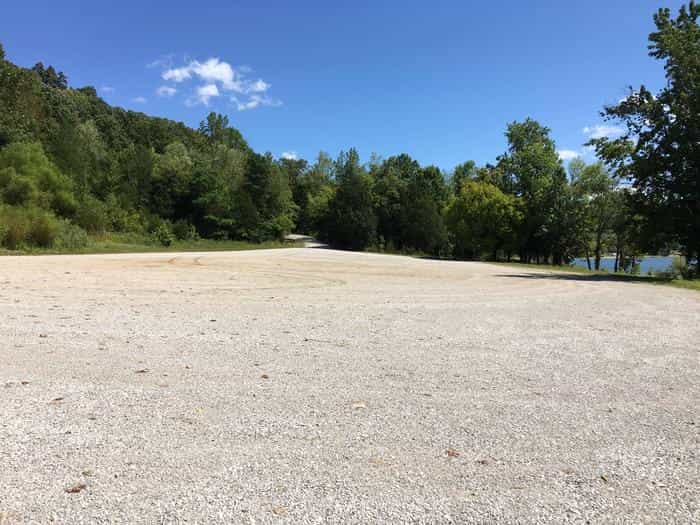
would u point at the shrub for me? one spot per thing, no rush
(163, 235)
(92, 215)
(27, 226)
(64, 204)
(184, 231)
(19, 190)
(43, 230)
(16, 227)
(70, 237)
(3, 232)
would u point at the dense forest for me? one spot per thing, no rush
(72, 166)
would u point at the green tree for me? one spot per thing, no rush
(482, 220)
(351, 222)
(170, 184)
(660, 148)
(409, 201)
(463, 172)
(594, 188)
(312, 189)
(532, 170)
(29, 178)
(265, 208)
(217, 131)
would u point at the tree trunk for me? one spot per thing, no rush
(598, 242)
(588, 260)
(622, 261)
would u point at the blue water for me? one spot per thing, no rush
(650, 263)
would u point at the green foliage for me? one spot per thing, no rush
(660, 148)
(482, 220)
(28, 178)
(184, 231)
(533, 172)
(596, 207)
(351, 222)
(409, 201)
(163, 235)
(22, 226)
(70, 237)
(170, 184)
(462, 173)
(218, 132)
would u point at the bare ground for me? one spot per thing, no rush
(313, 386)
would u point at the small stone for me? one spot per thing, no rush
(78, 487)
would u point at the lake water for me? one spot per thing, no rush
(650, 263)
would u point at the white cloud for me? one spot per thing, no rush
(211, 70)
(219, 76)
(166, 91)
(107, 90)
(259, 86)
(255, 101)
(204, 94)
(602, 130)
(567, 154)
(178, 74)
(290, 155)
(139, 100)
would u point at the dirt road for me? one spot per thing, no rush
(314, 386)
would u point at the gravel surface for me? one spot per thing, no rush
(315, 386)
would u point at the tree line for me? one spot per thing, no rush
(71, 166)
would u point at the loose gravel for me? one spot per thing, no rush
(315, 386)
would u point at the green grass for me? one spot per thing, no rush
(124, 243)
(688, 284)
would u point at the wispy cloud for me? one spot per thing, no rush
(107, 90)
(290, 155)
(139, 100)
(166, 61)
(602, 130)
(259, 86)
(218, 77)
(203, 94)
(255, 101)
(567, 154)
(166, 91)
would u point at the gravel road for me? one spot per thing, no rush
(315, 386)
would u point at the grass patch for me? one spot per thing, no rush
(688, 284)
(125, 243)
(593, 275)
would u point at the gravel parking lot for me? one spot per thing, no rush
(316, 386)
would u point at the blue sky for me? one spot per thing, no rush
(439, 80)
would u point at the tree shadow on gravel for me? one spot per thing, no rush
(598, 277)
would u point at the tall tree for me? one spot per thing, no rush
(532, 169)
(594, 189)
(351, 221)
(660, 148)
(217, 130)
(482, 220)
(463, 172)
